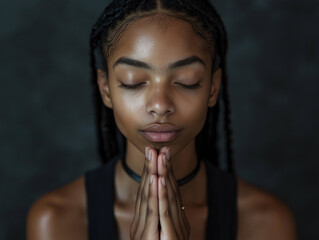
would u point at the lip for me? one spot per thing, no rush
(160, 132)
(160, 128)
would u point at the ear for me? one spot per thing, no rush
(215, 86)
(104, 87)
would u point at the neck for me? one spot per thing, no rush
(183, 163)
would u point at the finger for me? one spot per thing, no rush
(140, 189)
(153, 160)
(182, 214)
(185, 227)
(172, 198)
(144, 195)
(152, 219)
(167, 226)
(171, 175)
(164, 150)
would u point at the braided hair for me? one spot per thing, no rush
(206, 22)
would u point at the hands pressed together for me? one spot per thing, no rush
(158, 207)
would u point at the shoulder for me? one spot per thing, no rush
(60, 214)
(261, 215)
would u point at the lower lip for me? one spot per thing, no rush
(160, 136)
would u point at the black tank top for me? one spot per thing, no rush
(222, 203)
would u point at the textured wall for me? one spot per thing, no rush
(47, 134)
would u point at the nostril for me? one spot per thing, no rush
(160, 113)
(160, 110)
(160, 104)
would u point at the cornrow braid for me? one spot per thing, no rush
(206, 22)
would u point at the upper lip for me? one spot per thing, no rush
(161, 128)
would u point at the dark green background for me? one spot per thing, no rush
(47, 129)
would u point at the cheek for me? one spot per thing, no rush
(127, 111)
(195, 112)
(128, 106)
(199, 117)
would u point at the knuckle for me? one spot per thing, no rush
(165, 213)
(164, 195)
(143, 198)
(149, 211)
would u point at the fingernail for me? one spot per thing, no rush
(163, 181)
(151, 179)
(146, 152)
(164, 160)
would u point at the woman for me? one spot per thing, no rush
(158, 68)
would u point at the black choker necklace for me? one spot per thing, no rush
(180, 182)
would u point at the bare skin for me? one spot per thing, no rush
(160, 95)
(262, 216)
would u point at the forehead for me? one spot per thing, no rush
(159, 39)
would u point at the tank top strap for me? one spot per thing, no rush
(222, 202)
(99, 184)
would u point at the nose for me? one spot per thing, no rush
(160, 102)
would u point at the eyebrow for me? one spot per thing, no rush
(180, 63)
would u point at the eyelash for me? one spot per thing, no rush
(193, 86)
(130, 87)
(135, 86)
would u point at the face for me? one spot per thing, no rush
(159, 83)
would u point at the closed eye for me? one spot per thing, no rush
(193, 86)
(130, 86)
(135, 86)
